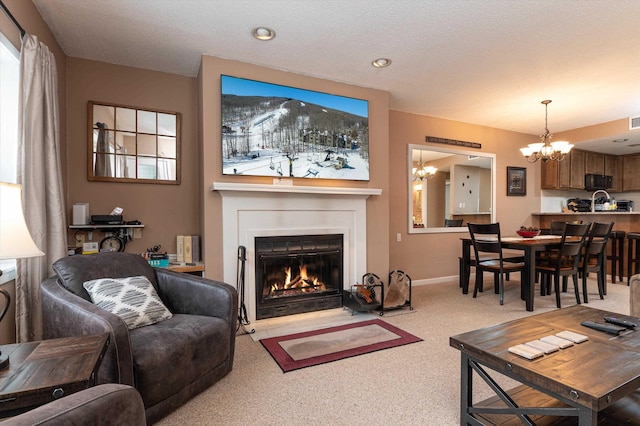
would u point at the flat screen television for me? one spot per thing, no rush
(280, 131)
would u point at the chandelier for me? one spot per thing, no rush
(546, 150)
(421, 172)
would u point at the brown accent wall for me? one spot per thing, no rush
(165, 210)
(430, 256)
(377, 206)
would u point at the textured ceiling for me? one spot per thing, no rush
(487, 62)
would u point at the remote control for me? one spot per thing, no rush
(620, 322)
(607, 328)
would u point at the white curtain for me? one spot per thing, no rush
(39, 172)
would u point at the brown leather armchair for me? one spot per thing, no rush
(104, 405)
(167, 362)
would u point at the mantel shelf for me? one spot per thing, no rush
(319, 190)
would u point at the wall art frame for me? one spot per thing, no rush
(516, 181)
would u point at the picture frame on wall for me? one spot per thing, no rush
(516, 181)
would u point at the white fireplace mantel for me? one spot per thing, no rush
(319, 190)
(254, 210)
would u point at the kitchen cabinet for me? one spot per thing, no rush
(565, 174)
(577, 169)
(630, 174)
(569, 173)
(613, 166)
(594, 163)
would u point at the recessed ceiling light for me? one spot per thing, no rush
(381, 62)
(263, 33)
(620, 140)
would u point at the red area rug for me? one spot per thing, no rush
(300, 350)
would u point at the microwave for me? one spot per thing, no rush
(594, 182)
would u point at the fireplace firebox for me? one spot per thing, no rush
(297, 274)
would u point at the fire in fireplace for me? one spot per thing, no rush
(297, 274)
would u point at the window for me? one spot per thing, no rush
(9, 83)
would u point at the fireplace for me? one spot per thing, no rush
(297, 274)
(250, 211)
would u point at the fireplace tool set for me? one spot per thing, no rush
(243, 319)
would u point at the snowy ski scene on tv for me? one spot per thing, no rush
(281, 131)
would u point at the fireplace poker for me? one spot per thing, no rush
(243, 319)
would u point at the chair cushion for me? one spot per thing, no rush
(172, 354)
(133, 299)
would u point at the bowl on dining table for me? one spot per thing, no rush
(528, 234)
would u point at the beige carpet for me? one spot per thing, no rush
(415, 384)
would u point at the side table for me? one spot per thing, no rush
(42, 371)
(194, 269)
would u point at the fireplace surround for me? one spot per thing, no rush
(250, 211)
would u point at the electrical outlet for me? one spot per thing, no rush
(398, 237)
(137, 233)
(79, 240)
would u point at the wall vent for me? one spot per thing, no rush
(634, 123)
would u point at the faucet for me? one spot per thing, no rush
(593, 199)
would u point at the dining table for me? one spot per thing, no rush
(529, 247)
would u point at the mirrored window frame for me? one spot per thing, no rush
(128, 166)
(411, 164)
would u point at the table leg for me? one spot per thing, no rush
(587, 417)
(465, 270)
(529, 276)
(466, 389)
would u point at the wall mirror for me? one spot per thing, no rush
(130, 144)
(456, 187)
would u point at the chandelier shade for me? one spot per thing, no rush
(546, 150)
(421, 172)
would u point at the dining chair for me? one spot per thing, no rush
(556, 228)
(566, 263)
(487, 247)
(594, 257)
(449, 223)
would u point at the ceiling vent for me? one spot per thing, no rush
(634, 123)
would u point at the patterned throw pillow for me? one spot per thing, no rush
(133, 299)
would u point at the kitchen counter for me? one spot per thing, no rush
(623, 221)
(597, 213)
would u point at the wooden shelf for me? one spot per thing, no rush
(198, 267)
(94, 227)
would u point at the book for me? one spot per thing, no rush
(188, 249)
(195, 248)
(180, 248)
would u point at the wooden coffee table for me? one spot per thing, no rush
(594, 382)
(42, 371)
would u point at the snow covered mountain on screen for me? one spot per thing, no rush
(289, 137)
